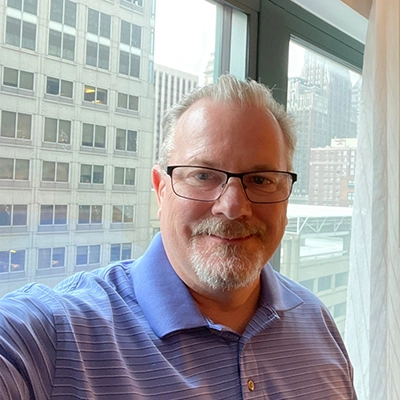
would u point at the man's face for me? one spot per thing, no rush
(222, 245)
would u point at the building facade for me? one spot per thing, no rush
(76, 139)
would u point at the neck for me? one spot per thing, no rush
(232, 309)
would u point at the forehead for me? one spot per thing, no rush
(228, 135)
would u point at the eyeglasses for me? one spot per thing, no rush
(208, 184)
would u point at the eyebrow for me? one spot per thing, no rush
(254, 168)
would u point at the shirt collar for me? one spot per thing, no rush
(167, 303)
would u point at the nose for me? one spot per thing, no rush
(233, 202)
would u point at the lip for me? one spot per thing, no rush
(230, 240)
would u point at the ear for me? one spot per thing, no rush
(158, 180)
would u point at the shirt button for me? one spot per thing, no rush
(250, 385)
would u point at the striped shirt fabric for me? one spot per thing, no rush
(132, 331)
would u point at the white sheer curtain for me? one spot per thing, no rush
(373, 322)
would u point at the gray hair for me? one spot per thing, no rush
(229, 89)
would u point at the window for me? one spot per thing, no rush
(20, 33)
(126, 140)
(64, 12)
(122, 214)
(16, 125)
(53, 214)
(51, 257)
(128, 102)
(129, 64)
(59, 87)
(97, 55)
(90, 214)
(57, 131)
(18, 79)
(324, 283)
(99, 23)
(124, 176)
(120, 251)
(12, 261)
(13, 214)
(29, 6)
(93, 135)
(131, 34)
(92, 173)
(95, 95)
(135, 2)
(86, 255)
(339, 310)
(14, 169)
(55, 171)
(61, 44)
(341, 279)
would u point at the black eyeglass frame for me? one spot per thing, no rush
(170, 168)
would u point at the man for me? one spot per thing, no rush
(202, 314)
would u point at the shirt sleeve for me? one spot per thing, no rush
(27, 348)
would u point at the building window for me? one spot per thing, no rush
(14, 169)
(128, 102)
(86, 255)
(90, 214)
(126, 140)
(99, 23)
(64, 12)
(55, 171)
(12, 261)
(53, 214)
(324, 283)
(95, 95)
(97, 55)
(16, 125)
(20, 33)
(339, 310)
(120, 251)
(13, 214)
(51, 257)
(94, 135)
(59, 87)
(92, 173)
(57, 131)
(124, 176)
(18, 79)
(136, 2)
(122, 214)
(29, 6)
(62, 45)
(131, 34)
(129, 64)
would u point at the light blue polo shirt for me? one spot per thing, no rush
(132, 331)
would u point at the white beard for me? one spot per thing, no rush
(226, 266)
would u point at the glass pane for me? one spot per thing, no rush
(60, 214)
(125, 32)
(84, 215)
(49, 171)
(105, 25)
(131, 144)
(50, 130)
(91, 53)
(119, 176)
(28, 35)
(134, 103)
(135, 66)
(96, 215)
(136, 36)
(56, 10)
(70, 13)
(117, 214)
(86, 173)
(128, 214)
(104, 56)
(87, 135)
(22, 170)
(98, 174)
(17, 260)
(101, 96)
(24, 126)
(123, 63)
(46, 215)
(5, 215)
(122, 100)
(10, 77)
(100, 138)
(66, 89)
(64, 131)
(52, 86)
(15, 4)
(120, 139)
(82, 255)
(58, 257)
(93, 21)
(130, 176)
(20, 214)
(44, 258)
(94, 254)
(90, 93)
(68, 47)
(26, 80)
(115, 252)
(54, 43)
(62, 172)
(8, 122)
(13, 31)
(6, 168)
(30, 6)
(126, 251)
(323, 96)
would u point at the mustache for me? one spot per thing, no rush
(229, 230)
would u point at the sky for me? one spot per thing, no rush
(184, 43)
